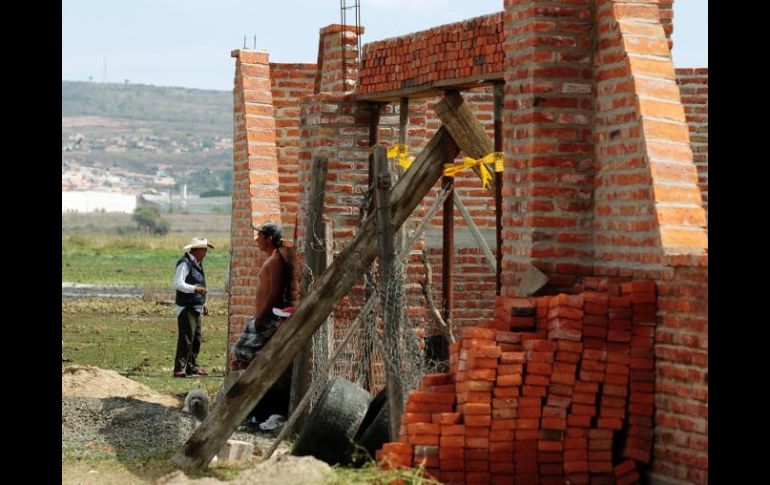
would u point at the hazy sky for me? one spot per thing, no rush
(188, 42)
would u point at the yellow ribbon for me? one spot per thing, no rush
(499, 161)
(401, 151)
(495, 158)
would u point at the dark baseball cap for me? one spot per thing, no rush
(271, 229)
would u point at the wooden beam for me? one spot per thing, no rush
(498, 117)
(433, 88)
(366, 378)
(315, 265)
(465, 129)
(311, 312)
(475, 232)
(388, 281)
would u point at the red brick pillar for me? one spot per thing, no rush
(255, 181)
(337, 59)
(694, 89)
(548, 113)
(666, 8)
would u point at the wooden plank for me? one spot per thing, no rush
(433, 88)
(388, 281)
(321, 299)
(465, 129)
(476, 233)
(498, 120)
(315, 265)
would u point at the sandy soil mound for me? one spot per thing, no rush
(279, 470)
(93, 382)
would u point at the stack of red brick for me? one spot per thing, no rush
(554, 389)
(462, 49)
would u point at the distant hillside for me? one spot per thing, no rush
(148, 103)
(186, 133)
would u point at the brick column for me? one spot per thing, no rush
(694, 89)
(548, 179)
(650, 220)
(337, 45)
(255, 181)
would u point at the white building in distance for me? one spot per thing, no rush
(96, 201)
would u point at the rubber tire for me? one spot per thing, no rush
(334, 420)
(380, 400)
(374, 436)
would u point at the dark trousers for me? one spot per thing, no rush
(188, 343)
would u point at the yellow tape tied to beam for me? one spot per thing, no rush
(401, 151)
(495, 158)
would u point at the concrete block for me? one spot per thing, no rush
(532, 280)
(234, 450)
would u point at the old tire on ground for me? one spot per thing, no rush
(379, 402)
(374, 436)
(333, 422)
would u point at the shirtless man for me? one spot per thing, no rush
(271, 284)
(271, 280)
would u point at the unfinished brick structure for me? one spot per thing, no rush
(605, 190)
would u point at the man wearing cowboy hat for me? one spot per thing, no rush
(190, 286)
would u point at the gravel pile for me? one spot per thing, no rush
(130, 429)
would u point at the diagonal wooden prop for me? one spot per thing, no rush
(333, 284)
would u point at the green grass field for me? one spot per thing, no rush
(136, 259)
(137, 339)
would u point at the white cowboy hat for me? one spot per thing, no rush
(198, 242)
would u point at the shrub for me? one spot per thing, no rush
(148, 219)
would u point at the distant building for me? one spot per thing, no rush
(96, 201)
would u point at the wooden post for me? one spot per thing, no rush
(315, 264)
(498, 117)
(388, 281)
(367, 363)
(448, 242)
(403, 122)
(465, 129)
(311, 312)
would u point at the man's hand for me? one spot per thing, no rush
(205, 311)
(200, 290)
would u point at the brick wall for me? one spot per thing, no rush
(681, 386)
(255, 181)
(600, 179)
(463, 49)
(548, 179)
(650, 220)
(694, 88)
(290, 82)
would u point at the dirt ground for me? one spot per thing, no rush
(93, 382)
(90, 381)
